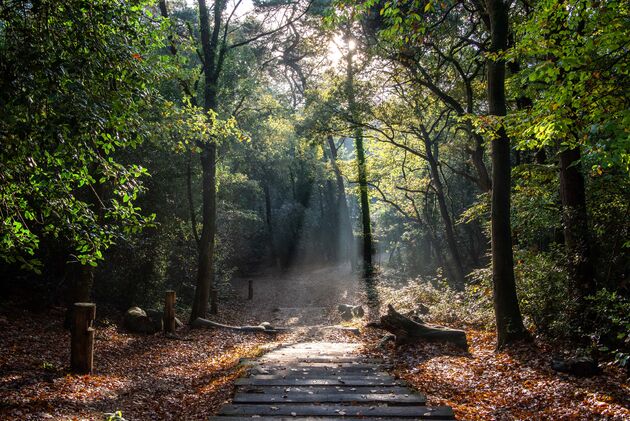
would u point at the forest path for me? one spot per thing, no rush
(324, 381)
(301, 297)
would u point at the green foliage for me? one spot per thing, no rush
(543, 291)
(612, 335)
(77, 81)
(472, 307)
(578, 77)
(535, 205)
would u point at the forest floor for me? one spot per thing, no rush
(150, 377)
(514, 385)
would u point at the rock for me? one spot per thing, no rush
(345, 311)
(137, 321)
(348, 312)
(358, 312)
(579, 366)
(157, 317)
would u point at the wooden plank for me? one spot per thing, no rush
(296, 351)
(326, 371)
(333, 397)
(309, 354)
(344, 379)
(414, 412)
(345, 348)
(352, 360)
(297, 364)
(313, 355)
(305, 418)
(307, 361)
(316, 382)
(323, 389)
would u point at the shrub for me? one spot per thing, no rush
(612, 325)
(472, 307)
(542, 284)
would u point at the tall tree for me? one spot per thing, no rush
(355, 118)
(578, 71)
(345, 224)
(215, 27)
(509, 321)
(432, 160)
(575, 222)
(213, 57)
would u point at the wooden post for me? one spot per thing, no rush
(250, 290)
(82, 343)
(169, 312)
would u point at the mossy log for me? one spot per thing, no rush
(409, 331)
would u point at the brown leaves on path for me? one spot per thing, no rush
(145, 377)
(517, 384)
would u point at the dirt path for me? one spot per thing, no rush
(304, 297)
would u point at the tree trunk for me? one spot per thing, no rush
(347, 239)
(169, 312)
(330, 224)
(211, 70)
(269, 223)
(362, 172)
(458, 269)
(205, 270)
(476, 155)
(508, 315)
(574, 217)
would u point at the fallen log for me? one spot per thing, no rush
(263, 327)
(408, 331)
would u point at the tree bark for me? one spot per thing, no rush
(211, 70)
(575, 219)
(205, 270)
(476, 156)
(458, 269)
(362, 172)
(169, 312)
(269, 223)
(330, 225)
(409, 331)
(508, 315)
(342, 206)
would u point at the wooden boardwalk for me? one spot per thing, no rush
(324, 381)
